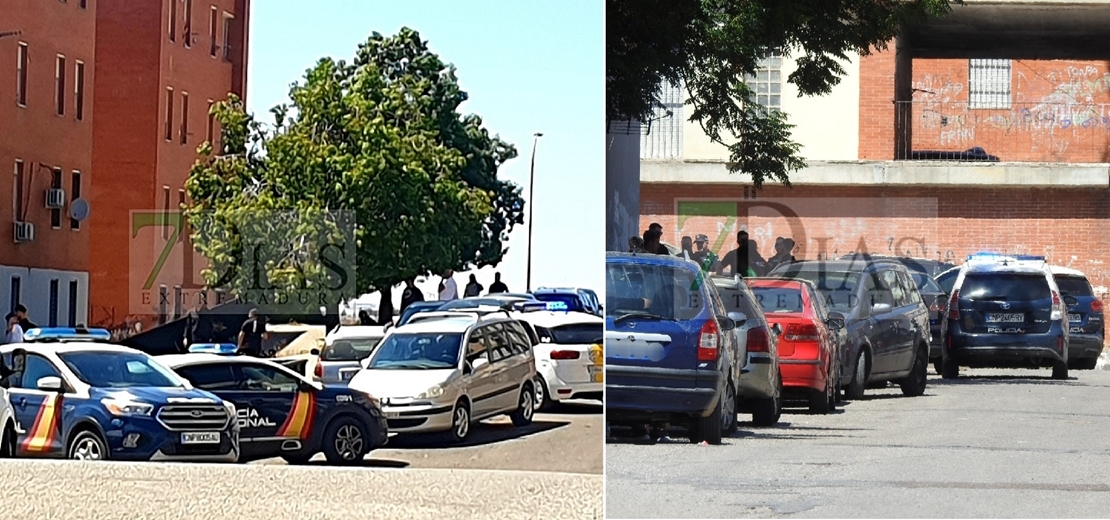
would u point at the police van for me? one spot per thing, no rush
(77, 396)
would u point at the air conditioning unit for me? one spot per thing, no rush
(55, 198)
(24, 232)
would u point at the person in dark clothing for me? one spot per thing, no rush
(364, 318)
(652, 244)
(497, 286)
(687, 248)
(635, 245)
(745, 260)
(252, 333)
(784, 253)
(21, 312)
(385, 308)
(701, 250)
(473, 288)
(410, 295)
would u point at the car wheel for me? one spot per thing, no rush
(460, 422)
(1059, 370)
(543, 398)
(7, 445)
(950, 369)
(526, 408)
(766, 412)
(859, 377)
(834, 388)
(708, 429)
(914, 384)
(87, 445)
(819, 402)
(345, 441)
(938, 366)
(728, 411)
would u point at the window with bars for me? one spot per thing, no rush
(75, 193)
(79, 91)
(989, 84)
(60, 85)
(169, 113)
(21, 76)
(663, 139)
(56, 183)
(767, 81)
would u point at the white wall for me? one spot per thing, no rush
(34, 293)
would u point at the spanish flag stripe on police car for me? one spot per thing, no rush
(299, 422)
(46, 425)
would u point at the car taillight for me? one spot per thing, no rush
(758, 340)
(801, 332)
(953, 306)
(565, 354)
(710, 342)
(319, 369)
(1096, 306)
(1057, 307)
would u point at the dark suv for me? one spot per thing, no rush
(1006, 312)
(1086, 327)
(670, 356)
(887, 323)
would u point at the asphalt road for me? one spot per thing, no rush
(995, 443)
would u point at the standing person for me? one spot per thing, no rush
(498, 286)
(700, 249)
(21, 313)
(742, 260)
(473, 288)
(664, 248)
(13, 333)
(411, 295)
(687, 248)
(652, 244)
(448, 289)
(251, 334)
(635, 245)
(784, 253)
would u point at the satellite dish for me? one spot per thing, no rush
(79, 210)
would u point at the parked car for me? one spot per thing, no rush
(670, 357)
(283, 414)
(343, 349)
(576, 299)
(78, 397)
(947, 280)
(446, 374)
(415, 308)
(1086, 333)
(759, 391)
(1006, 312)
(886, 318)
(570, 362)
(915, 265)
(809, 345)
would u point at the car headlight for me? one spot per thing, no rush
(230, 408)
(122, 408)
(431, 393)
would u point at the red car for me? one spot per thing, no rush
(808, 346)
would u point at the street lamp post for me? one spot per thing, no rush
(532, 205)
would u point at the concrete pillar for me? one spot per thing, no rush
(903, 97)
(622, 185)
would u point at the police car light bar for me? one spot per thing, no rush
(1004, 256)
(545, 306)
(222, 349)
(61, 334)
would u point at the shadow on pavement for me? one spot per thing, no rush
(481, 434)
(369, 462)
(576, 408)
(1012, 379)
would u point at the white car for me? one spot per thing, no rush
(570, 362)
(7, 419)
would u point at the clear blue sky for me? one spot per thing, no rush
(528, 67)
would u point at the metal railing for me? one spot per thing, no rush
(1065, 132)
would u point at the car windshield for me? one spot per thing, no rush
(779, 299)
(111, 369)
(659, 291)
(924, 283)
(349, 349)
(1074, 286)
(419, 350)
(572, 334)
(836, 287)
(1005, 287)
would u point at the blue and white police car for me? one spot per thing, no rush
(77, 396)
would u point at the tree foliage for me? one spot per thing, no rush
(709, 45)
(380, 138)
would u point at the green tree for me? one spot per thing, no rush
(380, 140)
(709, 45)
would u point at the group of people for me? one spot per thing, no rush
(745, 260)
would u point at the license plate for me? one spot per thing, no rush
(597, 374)
(200, 438)
(1075, 318)
(346, 376)
(1006, 318)
(392, 415)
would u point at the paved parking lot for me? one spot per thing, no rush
(995, 443)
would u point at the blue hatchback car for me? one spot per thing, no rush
(1087, 330)
(671, 358)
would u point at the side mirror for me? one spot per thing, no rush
(49, 384)
(726, 323)
(467, 368)
(835, 323)
(777, 328)
(739, 318)
(880, 308)
(314, 352)
(477, 364)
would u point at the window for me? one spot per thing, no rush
(75, 193)
(518, 337)
(36, 367)
(184, 117)
(476, 347)
(21, 75)
(188, 35)
(79, 91)
(169, 113)
(989, 84)
(767, 82)
(83, 4)
(227, 36)
(499, 346)
(211, 377)
(17, 191)
(267, 379)
(213, 19)
(53, 303)
(166, 212)
(211, 129)
(56, 213)
(664, 136)
(60, 85)
(173, 20)
(73, 303)
(17, 285)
